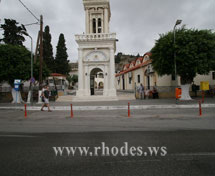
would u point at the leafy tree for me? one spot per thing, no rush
(75, 79)
(69, 79)
(45, 73)
(48, 50)
(13, 34)
(118, 58)
(15, 63)
(195, 53)
(62, 64)
(72, 79)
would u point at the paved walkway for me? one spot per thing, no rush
(115, 105)
(120, 96)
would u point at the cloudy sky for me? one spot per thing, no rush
(137, 23)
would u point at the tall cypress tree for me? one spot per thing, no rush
(48, 50)
(62, 64)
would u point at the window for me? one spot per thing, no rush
(99, 25)
(138, 78)
(130, 80)
(94, 25)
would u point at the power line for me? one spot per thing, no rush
(31, 24)
(29, 10)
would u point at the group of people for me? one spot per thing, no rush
(145, 93)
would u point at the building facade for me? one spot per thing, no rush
(140, 71)
(96, 50)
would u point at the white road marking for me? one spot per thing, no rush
(18, 136)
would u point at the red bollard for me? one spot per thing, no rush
(25, 111)
(129, 112)
(200, 109)
(72, 115)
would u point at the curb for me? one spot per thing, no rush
(102, 108)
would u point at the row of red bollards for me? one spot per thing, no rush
(200, 108)
(72, 114)
(129, 110)
(25, 111)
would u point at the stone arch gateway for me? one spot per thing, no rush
(96, 49)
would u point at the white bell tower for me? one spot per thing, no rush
(97, 16)
(96, 50)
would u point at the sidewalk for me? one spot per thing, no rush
(115, 105)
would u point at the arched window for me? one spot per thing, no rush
(94, 25)
(99, 25)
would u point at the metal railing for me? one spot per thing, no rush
(96, 36)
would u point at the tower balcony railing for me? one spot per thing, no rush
(95, 36)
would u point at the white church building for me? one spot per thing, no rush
(96, 51)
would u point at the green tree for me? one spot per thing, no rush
(138, 55)
(62, 64)
(195, 54)
(13, 34)
(75, 79)
(15, 63)
(48, 50)
(45, 73)
(118, 58)
(69, 79)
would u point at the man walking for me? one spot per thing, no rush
(45, 95)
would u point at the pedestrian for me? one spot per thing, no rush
(155, 93)
(45, 97)
(141, 91)
(147, 92)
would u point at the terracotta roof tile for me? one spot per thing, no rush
(57, 74)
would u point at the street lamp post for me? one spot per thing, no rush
(176, 79)
(31, 99)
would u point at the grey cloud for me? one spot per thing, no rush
(137, 23)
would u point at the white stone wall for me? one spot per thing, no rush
(135, 76)
(165, 80)
(208, 77)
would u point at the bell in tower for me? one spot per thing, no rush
(97, 16)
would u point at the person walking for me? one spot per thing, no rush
(45, 97)
(141, 91)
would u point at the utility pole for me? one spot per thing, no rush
(41, 53)
(36, 49)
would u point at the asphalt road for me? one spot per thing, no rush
(189, 153)
(184, 140)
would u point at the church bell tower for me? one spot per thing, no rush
(98, 15)
(96, 50)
